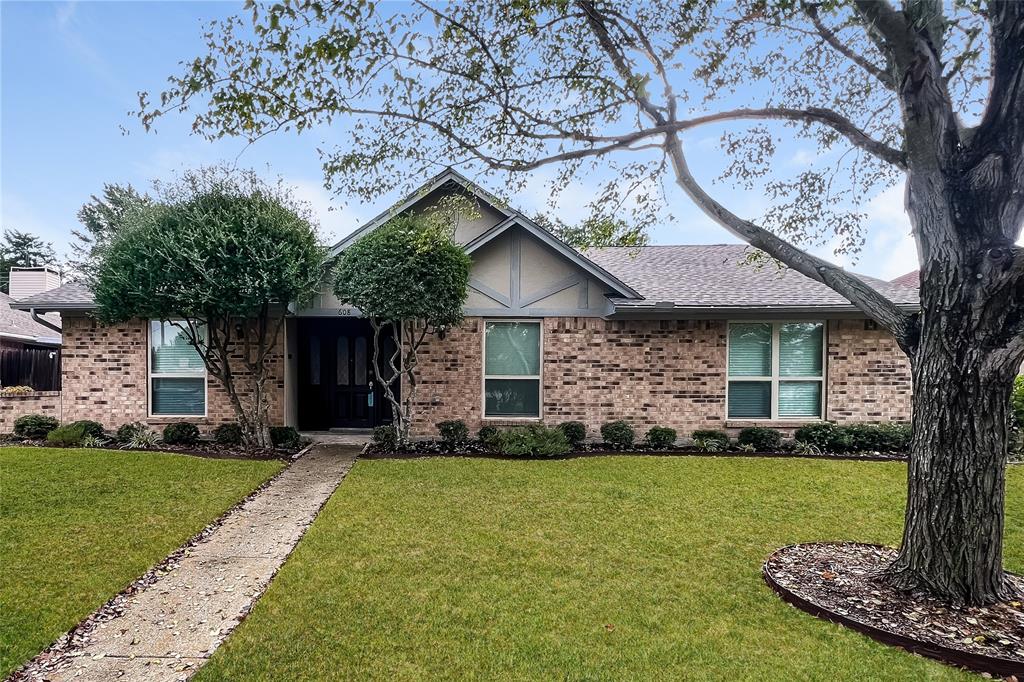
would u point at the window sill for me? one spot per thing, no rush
(511, 421)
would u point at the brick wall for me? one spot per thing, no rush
(658, 372)
(868, 374)
(41, 402)
(105, 377)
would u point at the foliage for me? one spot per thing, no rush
(710, 440)
(487, 434)
(228, 434)
(23, 250)
(411, 280)
(887, 437)
(532, 441)
(1017, 401)
(78, 526)
(285, 437)
(91, 428)
(222, 251)
(67, 436)
(16, 390)
(618, 434)
(101, 219)
(595, 232)
(761, 438)
(127, 432)
(575, 433)
(181, 433)
(34, 426)
(825, 436)
(141, 439)
(385, 438)
(453, 432)
(90, 441)
(661, 437)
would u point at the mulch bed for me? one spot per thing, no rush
(840, 582)
(433, 448)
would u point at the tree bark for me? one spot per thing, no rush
(953, 534)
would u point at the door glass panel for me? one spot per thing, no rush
(343, 371)
(314, 360)
(360, 359)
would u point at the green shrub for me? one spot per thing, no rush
(618, 434)
(1017, 400)
(889, 437)
(661, 437)
(453, 432)
(34, 426)
(142, 438)
(533, 441)
(385, 438)
(285, 437)
(575, 432)
(487, 434)
(710, 440)
(228, 434)
(825, 436)
(94, 429)
(760, 438)
(127, 432)
(67, 436)
(181, 433)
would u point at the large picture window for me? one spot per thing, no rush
(177, 375)
(512, 369)
(776, 370)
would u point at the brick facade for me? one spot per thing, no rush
(648, 372)
(46, 403)
(654, 372)
(105, 378)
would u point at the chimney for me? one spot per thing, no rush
(26, 282)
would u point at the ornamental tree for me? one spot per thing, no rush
(411, 280)
(220, 254)
(928, 93)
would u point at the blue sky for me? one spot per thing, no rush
(69, 74)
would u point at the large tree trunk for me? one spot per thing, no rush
(953, 537)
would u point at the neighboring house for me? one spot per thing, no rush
(682, 336)
(29, 342)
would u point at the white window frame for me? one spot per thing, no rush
(170, 375)
(775, 378)
(485, 376)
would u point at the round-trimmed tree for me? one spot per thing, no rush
(410, 279)
(221, 254)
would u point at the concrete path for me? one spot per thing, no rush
(174, 622)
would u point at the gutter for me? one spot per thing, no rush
(45, 323)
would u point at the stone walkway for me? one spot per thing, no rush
(177, 618)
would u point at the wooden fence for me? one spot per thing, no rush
(35, 367)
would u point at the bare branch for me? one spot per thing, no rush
(829, 36)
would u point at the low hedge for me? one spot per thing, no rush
(453, 432)
(34, 426)
(67, 436)
(890, 437)
(181, 433)
(661, 437)
(710, 440)
(618, 434)
(575, 432)
(760, 438)
(532, 441)
(285, 437)
(228, 434)
(385, 438)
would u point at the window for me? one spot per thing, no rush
(776, 370)
(512, 369)
(177, 375)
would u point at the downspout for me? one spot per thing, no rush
(45, 323)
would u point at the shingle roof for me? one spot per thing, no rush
(911, 279)
(68, 296)
(21, 324)
(715, 276)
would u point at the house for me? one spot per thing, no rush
(682, 336)
(29, 342)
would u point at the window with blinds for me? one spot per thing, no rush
(776, 370)
(177, 375)
(512, 369)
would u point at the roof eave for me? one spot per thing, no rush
(623, 310)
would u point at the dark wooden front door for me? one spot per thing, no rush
(337, 384)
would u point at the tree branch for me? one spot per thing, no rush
(829, 36)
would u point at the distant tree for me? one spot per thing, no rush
(101, 217)
(22, 250)
(220, 254)
(411, 280)
(925, 93)
(595, 232)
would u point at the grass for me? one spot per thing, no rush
(610, 568)
(77, 526)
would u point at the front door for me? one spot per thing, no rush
(337, 384)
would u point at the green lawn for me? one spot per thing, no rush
(611, 568)
(77, 526)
